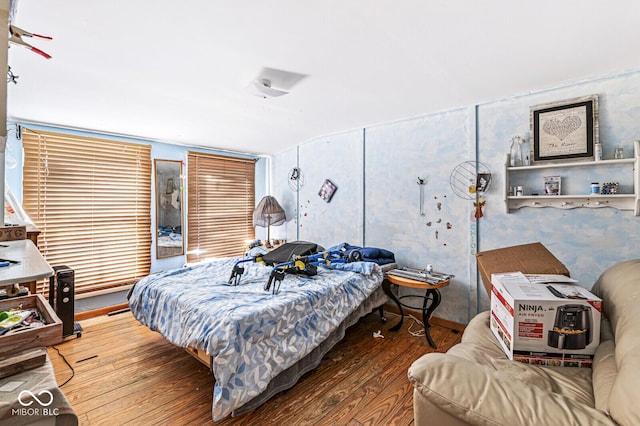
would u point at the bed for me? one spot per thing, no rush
(256, 343)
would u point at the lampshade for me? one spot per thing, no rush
(268, 212)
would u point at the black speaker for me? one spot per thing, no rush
(61, 297)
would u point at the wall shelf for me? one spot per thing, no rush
(573, 164)
(618, 201)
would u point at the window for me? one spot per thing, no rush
(221, 199)
(91, 199)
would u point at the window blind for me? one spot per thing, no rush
(220, 205)
(91, 200)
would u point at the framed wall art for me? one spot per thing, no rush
(565, 130)
(327, 190)
(552, 185)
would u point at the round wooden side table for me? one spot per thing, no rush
(430, 299)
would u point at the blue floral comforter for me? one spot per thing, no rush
(251, 334)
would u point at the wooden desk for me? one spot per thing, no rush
(32, 234)
(430, 300)
(31, 268)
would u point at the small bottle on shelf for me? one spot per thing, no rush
(618, 153)
(515, 151)
(598, 152)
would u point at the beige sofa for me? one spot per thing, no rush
(475, 383)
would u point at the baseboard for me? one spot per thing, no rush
(98, 312)
(452, 325)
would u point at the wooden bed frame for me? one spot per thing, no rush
(201, 356)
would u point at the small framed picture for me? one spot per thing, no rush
(552, 185)
(327, 190)
(565, 130)
(483, 181)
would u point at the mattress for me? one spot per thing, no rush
(253, 335)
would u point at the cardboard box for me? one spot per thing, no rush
(555, 324)
(531, 258)
(47, 335)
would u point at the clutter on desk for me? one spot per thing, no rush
(10, 291)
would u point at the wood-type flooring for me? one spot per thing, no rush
(127, 374)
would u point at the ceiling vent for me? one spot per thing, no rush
(271, 82)
(264, 89)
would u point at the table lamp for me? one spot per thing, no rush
(268, 212)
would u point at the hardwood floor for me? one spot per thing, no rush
(127, 374)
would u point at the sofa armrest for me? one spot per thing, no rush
(480, 395)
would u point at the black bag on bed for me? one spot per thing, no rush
(287, 251)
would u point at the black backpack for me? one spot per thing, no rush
(287, 251)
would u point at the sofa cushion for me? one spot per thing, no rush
(619, 288)
(479, 345)
(496, 390)
(487, 396)
(604, 374)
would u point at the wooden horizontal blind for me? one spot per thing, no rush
(91, 199)
(220, 205)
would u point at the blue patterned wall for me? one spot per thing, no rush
(337, 158)
(378, 198)
(587, 241)
(285, 193)
(397, 154)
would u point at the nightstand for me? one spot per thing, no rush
(430, 299)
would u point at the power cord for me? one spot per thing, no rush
(417, 333)
(73, 372)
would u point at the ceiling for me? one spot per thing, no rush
(181, 72)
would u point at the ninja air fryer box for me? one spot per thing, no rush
(544, 323)
(533, 258)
